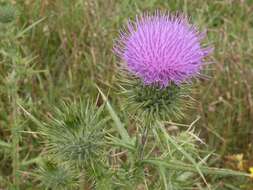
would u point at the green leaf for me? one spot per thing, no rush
(121, 143)
(180, 166)
(180, 149)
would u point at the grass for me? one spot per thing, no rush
(70, 50)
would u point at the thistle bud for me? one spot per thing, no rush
(53, 176)
(7, 13)
(76, 134)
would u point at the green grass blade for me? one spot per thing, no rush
(36, 121)
(30, 27)
(120, 127)
(4, 144)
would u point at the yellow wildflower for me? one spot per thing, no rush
(239, 160)
(251, 172)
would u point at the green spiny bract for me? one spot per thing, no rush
(76, 134)
(152, 103)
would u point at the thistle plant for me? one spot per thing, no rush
(16, 67)
(162, 53)
(83, 150)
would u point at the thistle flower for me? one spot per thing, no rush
(162, 49)
(161, 54)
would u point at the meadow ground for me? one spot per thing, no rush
(70, 50)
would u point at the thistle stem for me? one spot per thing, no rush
(144, 139)
(82, 181)
(83, 185)
(14, 131)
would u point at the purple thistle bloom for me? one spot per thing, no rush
(162, 49)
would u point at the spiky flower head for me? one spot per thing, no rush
(76, 133)
(162, 49)
(58, 177)
(152, 103)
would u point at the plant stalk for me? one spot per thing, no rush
(14, 131)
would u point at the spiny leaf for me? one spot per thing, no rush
(180, 166)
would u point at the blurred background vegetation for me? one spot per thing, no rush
(68, 49)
